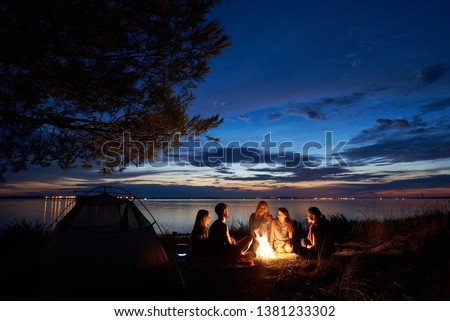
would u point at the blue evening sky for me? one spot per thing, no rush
(319, 98)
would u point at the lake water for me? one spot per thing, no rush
(179, 214)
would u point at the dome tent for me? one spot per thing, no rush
(106, 248)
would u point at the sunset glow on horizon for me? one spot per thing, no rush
(329, 99)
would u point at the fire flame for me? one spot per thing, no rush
(264, 250)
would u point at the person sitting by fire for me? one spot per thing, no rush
(222, 244)
(260, 224)
(282, 232)
(319, 242)
(199, 241)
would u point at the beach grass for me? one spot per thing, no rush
(394, 259)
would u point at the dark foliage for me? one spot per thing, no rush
(399, 259)
(20, 244)
(79, 76)
(340, 227)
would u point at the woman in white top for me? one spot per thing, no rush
(282, 232)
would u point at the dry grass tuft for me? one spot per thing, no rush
(398, 259)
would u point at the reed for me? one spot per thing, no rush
(20, 244)
(395, 259)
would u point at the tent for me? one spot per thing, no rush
(106, 248)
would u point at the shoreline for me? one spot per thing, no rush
(388, 260)
(24, 197)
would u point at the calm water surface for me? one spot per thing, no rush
(179, 214)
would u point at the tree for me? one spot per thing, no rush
(76, 74)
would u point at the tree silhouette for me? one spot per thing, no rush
(76, 74)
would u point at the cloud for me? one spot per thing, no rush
(245, 117)
(301, 173)
(438, 105)
(249, 155)
(392, 141)
(431, 74)
(397, 150)
(380, 88)
(383, 125)
(308, 112)
(274, 116)
(435, 184)
(344, 100)
(389, 124)
(314, 110)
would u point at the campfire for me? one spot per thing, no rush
(264, 250)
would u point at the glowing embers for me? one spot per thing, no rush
(264, 250)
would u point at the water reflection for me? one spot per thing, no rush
(179, 214)
(55, 206)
